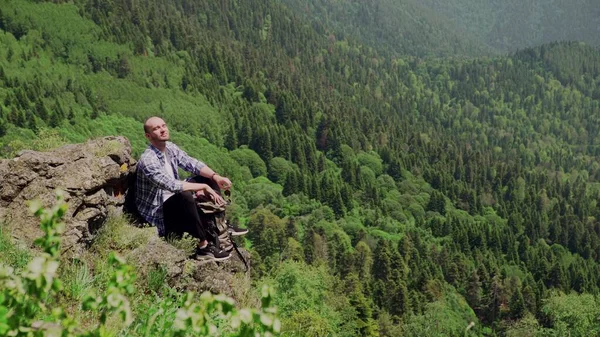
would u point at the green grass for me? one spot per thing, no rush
(118, 235)
(78, 280)
(187, 243)
(157, 278)
(154, 304)
(11, 253)
(153, 313)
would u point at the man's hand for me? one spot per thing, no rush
(209, 192)
(223, 182)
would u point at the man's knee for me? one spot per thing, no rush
(204, 180)
(187, 197)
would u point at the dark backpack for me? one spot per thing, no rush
(214, 220)
(129, 206)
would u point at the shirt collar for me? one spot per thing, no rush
(158, 152)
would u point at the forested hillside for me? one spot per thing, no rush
(404, 27)
(385, 196)
(508, 25)
(455, 27)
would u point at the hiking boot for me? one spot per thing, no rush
(227, 246)
(211, 253)
(234, 230)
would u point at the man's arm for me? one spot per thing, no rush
(186, 162)
(154, 170)
(199, 168)
(223, 182)
(206, 189)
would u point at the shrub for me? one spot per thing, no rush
(25, 297)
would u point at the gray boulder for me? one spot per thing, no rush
(93, 175)
(185, 273)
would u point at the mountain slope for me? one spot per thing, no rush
(454, 27)
(403, 27)
(508, 25)
(402, 188)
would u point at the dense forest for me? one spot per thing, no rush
(386, 193)
(455, 27)
(508, 25)
(405, 27)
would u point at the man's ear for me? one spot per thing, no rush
(147, 135)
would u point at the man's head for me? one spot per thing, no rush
(156, 131)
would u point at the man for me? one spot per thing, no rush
(169, 203)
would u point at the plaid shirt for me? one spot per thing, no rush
(152, 180)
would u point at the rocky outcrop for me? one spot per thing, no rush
(185, 273)
(93, 175)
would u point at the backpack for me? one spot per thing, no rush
(213, 217)
(214, 220)
(129, 206)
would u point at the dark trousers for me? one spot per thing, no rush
(181, 216)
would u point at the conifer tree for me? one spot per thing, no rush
(3, 122)
(474, 291)
(517, 304)
(353, 288)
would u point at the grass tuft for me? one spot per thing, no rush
(78, 280)
(157, 279)
(118, 235)
(187, 243)
(11, 253)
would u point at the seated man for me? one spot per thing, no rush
(169, 203)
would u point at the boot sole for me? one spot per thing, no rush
(212, 258)
(238, 233)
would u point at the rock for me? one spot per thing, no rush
(93, 174)
(185, 273)
(216, 277)
(157, 253)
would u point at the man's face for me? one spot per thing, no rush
(157, 130)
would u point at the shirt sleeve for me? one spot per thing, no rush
(186, 162)
(155, 172)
